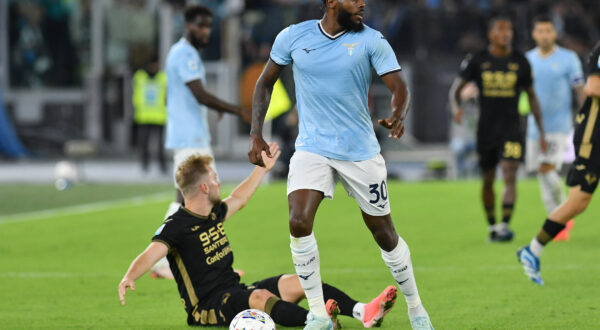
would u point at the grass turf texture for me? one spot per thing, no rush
(63, 272)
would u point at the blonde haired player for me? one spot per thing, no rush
(200, 257)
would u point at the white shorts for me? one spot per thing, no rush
(365, 181)
(180, 155)
(557, 145)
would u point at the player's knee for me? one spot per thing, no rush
(510, 183)
(582, 203)
(258, 298)
(488, 184)
(300, 225)
(545, 168)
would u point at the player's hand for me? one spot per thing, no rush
(270, 161)
(394, 124)
(543, 143)
(246, 115)
(125, 283)
(458, 115)
(257, 147)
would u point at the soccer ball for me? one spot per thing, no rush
(252, 319)
(65, 174)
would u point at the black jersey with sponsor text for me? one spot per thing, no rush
(500, 81)
(200, 257)
(587, 138)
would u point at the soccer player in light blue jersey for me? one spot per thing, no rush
(332, 60)
(188, 100)
(557, 71)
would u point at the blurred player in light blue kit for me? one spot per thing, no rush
(187, 101)
(332, 59)
(556, 72)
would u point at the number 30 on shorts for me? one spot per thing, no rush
(379, 192)
(513, 150)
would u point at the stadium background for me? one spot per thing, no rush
(66, 66)
(65, 94)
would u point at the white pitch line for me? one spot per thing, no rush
(56, 275)
(85, 208)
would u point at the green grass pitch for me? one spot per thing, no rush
(61, 269)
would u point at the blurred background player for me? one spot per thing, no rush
(500, 73)
(583, 174)
(332, 59)
(556, 71)
(194, 240)
(463, 141)
(187, 99)
(149, 103)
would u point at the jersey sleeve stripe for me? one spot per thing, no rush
(390, 71)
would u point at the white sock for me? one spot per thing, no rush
(358, 311)
(502, 226)
(399, 263)
(307, 263)
(536, 247)
(553, 192)
(173, 207)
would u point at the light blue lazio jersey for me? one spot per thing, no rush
(553, 78)
(332, 76)
(187, 126)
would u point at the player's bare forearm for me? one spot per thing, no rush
(146, 260)
(592, 86)
(243, 192)
(454, 93)
(400, 104)
(262, 96)
(211, 101)
(260, 105)
(536, 110)
(400, 101)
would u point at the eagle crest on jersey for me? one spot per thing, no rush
(351, 47)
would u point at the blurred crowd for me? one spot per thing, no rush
(49, 40)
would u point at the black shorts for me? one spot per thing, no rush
(510, 149)
(584, 173)
(227, 303)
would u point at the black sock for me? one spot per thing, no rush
(491, 217)
(285, 313)
(507, 211)
(549, 231)
(345, 303)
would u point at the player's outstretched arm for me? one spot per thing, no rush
(454, 98)
(241, 194)
(400, 104)
(260, 105)
(141, 265)
(537, 114)
(211, 101)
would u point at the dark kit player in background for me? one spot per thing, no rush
(500, 73)
(582, 177)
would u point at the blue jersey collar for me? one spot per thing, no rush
(329, 35)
